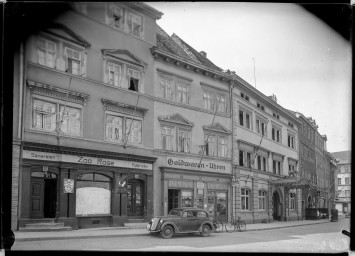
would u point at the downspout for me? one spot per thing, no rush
(232, 147)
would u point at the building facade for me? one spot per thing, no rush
(343, 181)
(83, 126)
(265, 152)
(193, 134)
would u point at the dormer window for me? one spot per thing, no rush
(116, 17)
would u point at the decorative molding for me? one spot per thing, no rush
(214, 88)
(173, 74)
(116, 52)
(217, 127)
(176, 119)
(123, 108)
(57, 93)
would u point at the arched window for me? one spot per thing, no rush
(93, 194)
(245, 199)
(262, 200)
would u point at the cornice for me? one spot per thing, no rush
(123, 108)
(57, 93)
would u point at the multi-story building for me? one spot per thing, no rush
(343, 182)
(193, 129)
(265, 157)
(331, 177)
(83, 118)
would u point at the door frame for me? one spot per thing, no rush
(143, 187)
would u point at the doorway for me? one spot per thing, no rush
(173, 198)
(135, 198)
(276, 206)
(43, 195)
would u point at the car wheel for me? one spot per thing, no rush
(167, 232)
(206, 230)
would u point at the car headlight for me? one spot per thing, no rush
(161, 221)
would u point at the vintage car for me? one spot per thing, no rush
(181, 220)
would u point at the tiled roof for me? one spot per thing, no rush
(175, 45)
(342, 156)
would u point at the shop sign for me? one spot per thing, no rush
(68, 186)
(180, 184)
(219, 186)
(200, 185)
(191, 164)
(85, 160)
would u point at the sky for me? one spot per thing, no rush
(296, 56)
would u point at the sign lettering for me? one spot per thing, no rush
(211, 166)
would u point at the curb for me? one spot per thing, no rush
(140, 234)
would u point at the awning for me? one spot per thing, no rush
(293, 183)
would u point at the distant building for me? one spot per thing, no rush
(343, 182)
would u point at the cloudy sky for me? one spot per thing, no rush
(301, 60)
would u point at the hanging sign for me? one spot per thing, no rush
(68, 186)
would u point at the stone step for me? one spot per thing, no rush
(45, 224)
(136, 221)
(44, 229)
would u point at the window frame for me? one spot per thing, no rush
(174, 84)
(210, 99)
(171, 136)
(243, 120)
(292, 199)
(127, 20)
(188, 140)
(262, 199)
(291, 140)
(276, 134)
(245, 204)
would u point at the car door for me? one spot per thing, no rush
(201, 217)
(188, 221)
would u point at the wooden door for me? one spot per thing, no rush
(135, 198)
(37, 186)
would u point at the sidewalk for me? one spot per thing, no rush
(140, 230)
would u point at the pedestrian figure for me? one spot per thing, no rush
(318, 214)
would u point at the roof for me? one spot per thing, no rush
(175, 45)
(343, 157)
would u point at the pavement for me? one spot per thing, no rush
(140, 230)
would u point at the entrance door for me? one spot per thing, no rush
(173, 199)
(37, 185)
(43, 195)
(276, 206)
(135, 198)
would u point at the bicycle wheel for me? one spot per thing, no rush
(242, 226)
(219, 226)
(230, 227)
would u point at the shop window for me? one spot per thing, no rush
(245, 199)
(93, 194)
(262, 200)
(45, 117)
(186, 198)
(122, 128)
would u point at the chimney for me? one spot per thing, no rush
(204, 54)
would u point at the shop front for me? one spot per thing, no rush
(189, 186)
(86, 190)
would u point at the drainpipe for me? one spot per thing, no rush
(232, 147)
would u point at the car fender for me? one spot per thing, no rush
(208, 223)
(176, 229)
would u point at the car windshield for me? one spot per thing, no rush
(175, 213)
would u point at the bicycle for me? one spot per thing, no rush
(218, 224)
(236, 223)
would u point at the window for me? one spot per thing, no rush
(208, 101)
(276, 167)
(260, 106)
(135, 24)
(246, 97)
(291, 141)
(184, 141)
(245, 199)
(241, 158)
(133, 79)
(114, 74)
(167, 138)
(292, 201)
(244, 118)
(222, 147)
(339, 181)
(276, 134)
(210, 146)
(121, 128)
(173, 88)
(276, 116)
(262, 163)
(262, 200)
(347, 181)
(347, 193)
(186, 198)
(45, 117)
(46, 52)
(213, 100)
(290, 124)
(259, 162)
(73, 61)
(260, 126)
(115, 15)
(249, 159)
(291, 169)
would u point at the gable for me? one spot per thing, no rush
(66, 33)
(217, 127)
(124, 55)
(176, 119)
